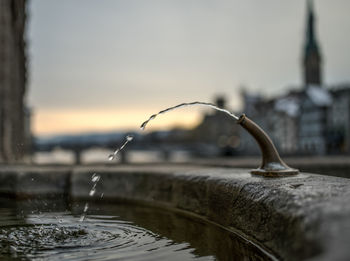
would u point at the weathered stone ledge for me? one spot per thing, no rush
(306, 217)
(337, 165)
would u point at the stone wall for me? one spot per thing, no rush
(13, 144)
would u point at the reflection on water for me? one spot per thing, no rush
(47, 230)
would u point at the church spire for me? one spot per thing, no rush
(312, 56)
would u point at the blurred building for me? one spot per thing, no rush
(218, 131)
(14, 118)
(285, 122)
(338, 120)
(278, 117)
(312, 61)
(315, 98)
(313, 131)
(311, 119)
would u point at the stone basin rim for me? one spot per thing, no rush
(283, 214)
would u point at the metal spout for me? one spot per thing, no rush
(272, 165)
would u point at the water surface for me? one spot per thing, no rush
(50, 230)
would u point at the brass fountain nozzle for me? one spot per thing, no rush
(272, 165)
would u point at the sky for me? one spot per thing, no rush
(101, 65)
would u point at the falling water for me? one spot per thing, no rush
(127, 140)
(95, 178)
(152, 117)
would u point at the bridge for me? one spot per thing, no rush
(164, 142)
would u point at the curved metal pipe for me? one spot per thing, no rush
(272, 165)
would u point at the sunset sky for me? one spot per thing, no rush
(97, 65)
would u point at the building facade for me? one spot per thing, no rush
(278, 117)
(313, 131)
(338, 120)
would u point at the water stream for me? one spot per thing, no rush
(152, 117)
(95, 178)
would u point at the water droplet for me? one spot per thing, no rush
(129, 138)
(102, 195)
(60, 221)
(86, 207)
(111, 157)
(92, 192)
(95, 177)
(143, 125)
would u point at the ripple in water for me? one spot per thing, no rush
(47, 237)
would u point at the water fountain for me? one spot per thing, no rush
(272, 165)
(172, 212)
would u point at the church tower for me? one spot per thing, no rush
(312, 57)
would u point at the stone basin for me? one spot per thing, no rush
(304, 217)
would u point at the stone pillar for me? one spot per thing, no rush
(13, 145)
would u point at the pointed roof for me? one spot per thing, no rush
(311, 42)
